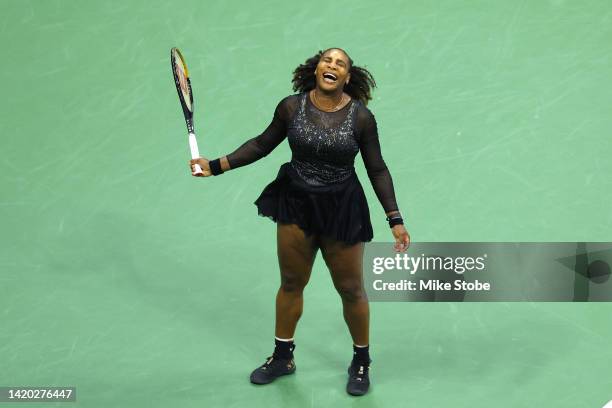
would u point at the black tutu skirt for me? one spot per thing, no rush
(339, 211)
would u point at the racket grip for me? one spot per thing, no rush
(193, 146)
(195, 152)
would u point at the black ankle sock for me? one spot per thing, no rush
(283, 349)
(361, 355)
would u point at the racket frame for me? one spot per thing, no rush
(187, 113)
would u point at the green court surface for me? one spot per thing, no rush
(142, 286)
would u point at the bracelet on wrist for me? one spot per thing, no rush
(215, 167)
(394, 220)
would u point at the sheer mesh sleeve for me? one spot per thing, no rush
(260, 146)
(376, 167)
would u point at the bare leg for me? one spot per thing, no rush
(345, 265)
(296, 255)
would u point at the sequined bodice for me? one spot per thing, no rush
(322, 155)
(323, 144)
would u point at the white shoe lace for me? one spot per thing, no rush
(267, 363)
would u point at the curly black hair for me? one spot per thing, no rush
(359, 87)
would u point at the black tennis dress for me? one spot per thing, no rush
(318, 189)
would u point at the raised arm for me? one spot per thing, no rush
(375, 165)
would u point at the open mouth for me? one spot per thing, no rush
(329, 77)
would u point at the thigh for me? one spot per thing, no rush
(344, 262)
(296, 254)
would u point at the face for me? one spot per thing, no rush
(332, 71)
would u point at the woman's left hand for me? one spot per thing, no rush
(402, 238)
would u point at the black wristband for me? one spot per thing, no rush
(215, 167)
(395, 220)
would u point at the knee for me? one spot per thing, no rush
(351, 291)
(292, 284)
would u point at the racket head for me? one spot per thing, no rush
(183, 84)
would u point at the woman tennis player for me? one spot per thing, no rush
(317, 200)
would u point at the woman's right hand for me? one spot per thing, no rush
(203, 162)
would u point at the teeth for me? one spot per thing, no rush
(330, 76)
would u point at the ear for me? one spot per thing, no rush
(347, 79)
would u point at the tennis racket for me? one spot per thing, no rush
(183, 87)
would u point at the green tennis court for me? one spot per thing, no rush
(122, 275)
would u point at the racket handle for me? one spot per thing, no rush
(197, 170)
(195, 152)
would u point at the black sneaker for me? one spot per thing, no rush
(359, 380)
(272, 369)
